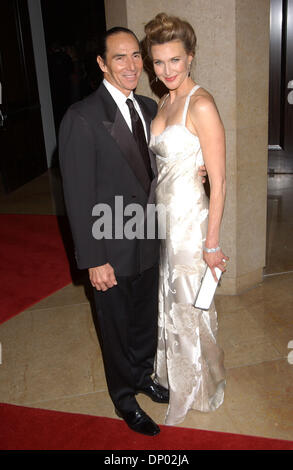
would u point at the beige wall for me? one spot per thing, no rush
(116, 13)
(232, 63)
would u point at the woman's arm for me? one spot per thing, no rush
(210, 130)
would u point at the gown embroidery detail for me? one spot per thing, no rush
(188, 361)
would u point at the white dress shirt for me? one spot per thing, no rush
(120, 100)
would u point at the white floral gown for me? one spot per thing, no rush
(188, 362)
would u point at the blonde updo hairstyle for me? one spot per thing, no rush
(164, 28)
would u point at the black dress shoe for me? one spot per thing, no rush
(156, 392)
(139, 421)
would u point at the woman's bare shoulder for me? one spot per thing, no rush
(201, 98)
(202, 103)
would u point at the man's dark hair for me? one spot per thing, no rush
(117, 29)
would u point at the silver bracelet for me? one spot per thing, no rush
(211, 250)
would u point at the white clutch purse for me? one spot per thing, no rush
(207, 289)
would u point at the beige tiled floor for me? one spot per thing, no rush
(51, 356)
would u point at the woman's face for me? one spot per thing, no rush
(171, 63)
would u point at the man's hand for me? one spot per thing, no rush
(102, 277)
(203, 173)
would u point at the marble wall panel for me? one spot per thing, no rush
(232, 60)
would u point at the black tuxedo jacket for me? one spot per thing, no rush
(99, 159)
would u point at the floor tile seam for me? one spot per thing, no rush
(257, 363)
(53, 307)
(63, 397)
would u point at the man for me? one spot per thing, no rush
(102, 157)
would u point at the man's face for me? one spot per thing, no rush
(123, 64)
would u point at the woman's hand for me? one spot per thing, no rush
(216, 260)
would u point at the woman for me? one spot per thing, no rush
(186, 133)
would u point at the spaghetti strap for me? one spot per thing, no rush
(163, 102)
(192, 91)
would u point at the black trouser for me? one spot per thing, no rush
(127, 316)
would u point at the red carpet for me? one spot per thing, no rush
(33, 261)
(23, 428)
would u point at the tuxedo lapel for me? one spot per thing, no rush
(120, 132)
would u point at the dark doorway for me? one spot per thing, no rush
(22, 149)
(72, 32)
(279, 256)
(281, 87)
